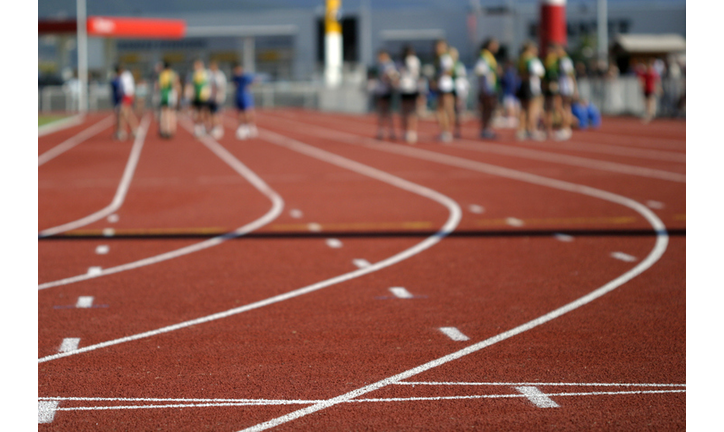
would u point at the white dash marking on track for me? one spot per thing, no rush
(84, 302)
(109, 232)
(334, 243)
(46, 411)
(102, 249)
(93, 271)
(623, 257)
(476, 209)
(361, 263)
(537, 397)
(563, 237)
(69, 344)
(655, 204)
(401, 292)
(454, 334)
(514, 222)
(296, 213)
(113, 218)
(314, 227)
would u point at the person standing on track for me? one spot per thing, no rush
(531, 70)
(487, 71)
(244, 103)
(444, 86)
(216, 99)
(651, 84)
(385, 82)
(552, 108)
(169, 88)
(117, 95)
(200, 89)
(128, 117)
(409, 87)
(568, 89)
(461, 87)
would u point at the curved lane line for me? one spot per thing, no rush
(449, 226)
(662, 240)
(75, 140)
(120, 195)
(249, 175)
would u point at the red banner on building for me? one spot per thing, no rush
(142, 28)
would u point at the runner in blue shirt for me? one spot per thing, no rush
(244, 103)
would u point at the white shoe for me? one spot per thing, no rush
(411, 137)
(217, 132)
(446, 137)
(242, 133)
(199, 130)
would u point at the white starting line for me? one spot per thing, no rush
(113, 218)
(69, 344)
(102, 249)
(454, 334)
(537, 397)
(84, 302)
(401, 292)
(563, 237)
(334, 243)
(514, 222)
(315, 227)
(474, 208)
(623, 256)
(95, 270)
(296, 213)
(361, 263)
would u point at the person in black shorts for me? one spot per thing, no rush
(387, 78)
(409, 87)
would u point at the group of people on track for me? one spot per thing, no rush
(539, 93)
(204, 92)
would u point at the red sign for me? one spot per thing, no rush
(144, 28)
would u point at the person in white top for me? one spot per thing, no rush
(531, 70)
(409, 87)
(217, 80)
(444, 86)
(127, 117)
(461, 86)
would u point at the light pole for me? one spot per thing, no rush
(603, 33)
(82, 55)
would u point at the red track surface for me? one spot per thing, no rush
(491, 276)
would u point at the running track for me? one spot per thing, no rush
(317, 279)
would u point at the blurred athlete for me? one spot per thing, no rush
(244, 103)
(552, 107)
(169, 88)
(217, 97)
(385, 82)
(568, 88)
(409, 87)
(651, 84)
(200, 90)
(128, 117)
(487, 71)
(531, 70)
(117, 95)
(461, 86)
(443, 85)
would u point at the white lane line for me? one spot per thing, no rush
(623, 256)
(474, 208)
(563, 237)
(314, 227)
(537, 397)
(120, 195)
(46, 411)
(102, 249)
(109, 232)
(522, 153)
(61, 124)
(638, 153)
(84, 302)
(68, 345)
(539, 384)
(203, 403)
(113, 218)
(296, 213)
(334, 243)
(662, 240)
(454, 334)
(75, 140)
(655, 204)
(241, 169)
(449, 226)
(401, 292)
(514, 222)
(94, 271)
(361, 263)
